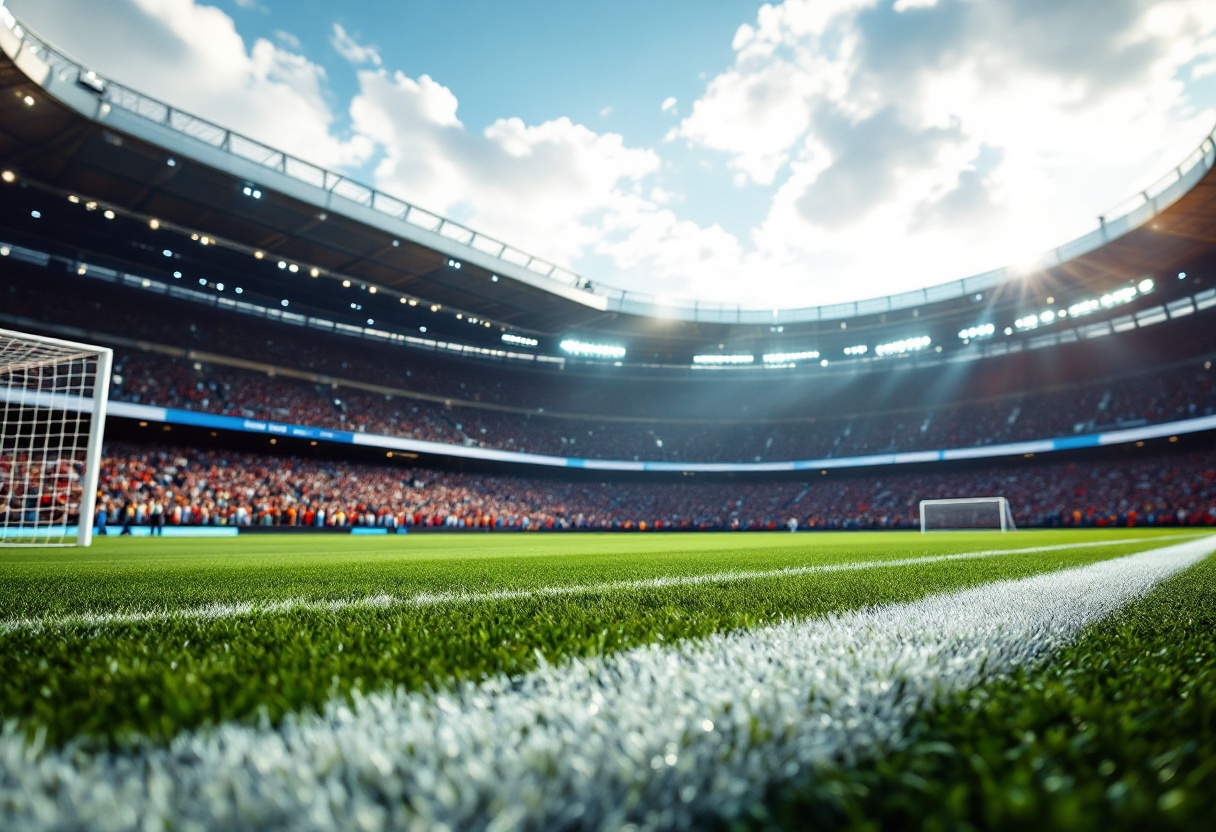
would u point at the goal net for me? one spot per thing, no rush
(53, 403)
(966, 513)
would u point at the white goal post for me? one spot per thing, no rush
(966, 513)
(53, 398)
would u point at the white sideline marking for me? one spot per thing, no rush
(664, 737)
(426, 599)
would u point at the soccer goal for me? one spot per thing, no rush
(966, 513)
(53, 401)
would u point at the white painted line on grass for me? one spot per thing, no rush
(93, 620)
(664, 737)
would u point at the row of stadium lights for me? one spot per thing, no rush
(980, 331)
(253, 192)
(1086, 307)
(789, 359)
(583, 349)
(10, 177)
(573, 347)
(1076, 310)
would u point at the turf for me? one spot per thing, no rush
(1117, 731)
(154, 678)
(125, 573)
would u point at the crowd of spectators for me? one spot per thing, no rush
(1180, 393)
(149, 485)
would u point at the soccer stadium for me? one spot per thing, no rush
(322, 509)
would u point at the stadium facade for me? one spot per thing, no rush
(514, 364)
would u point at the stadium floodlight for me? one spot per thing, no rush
(860, 349)
(519, 340)
(717, 360)
(972, 333)
(966, 514)
(904, 346)
(586, 350)
(54, 408)
(790, 357)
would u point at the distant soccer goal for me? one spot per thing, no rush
(966, 514)
(53, 406)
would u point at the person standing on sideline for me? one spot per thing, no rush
(128, 517)
(99, 520)
(156, 518)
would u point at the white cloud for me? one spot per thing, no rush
(288, 40)
(923, 141)
(551, 189)
(668, 103)
(352, 50)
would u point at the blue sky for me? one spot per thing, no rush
(805, 152)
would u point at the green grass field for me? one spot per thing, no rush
(131, 645)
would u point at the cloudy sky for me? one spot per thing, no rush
(799, 153)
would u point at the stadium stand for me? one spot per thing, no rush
(210, 487)
(786, 419)
(1143, 399)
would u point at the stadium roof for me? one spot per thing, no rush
(67, 130)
